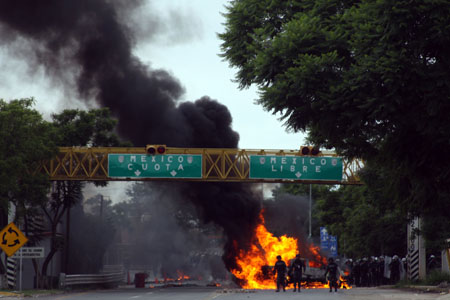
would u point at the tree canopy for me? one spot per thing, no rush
(368, 78)
(25, 140)
(358, 217)
(75, 127)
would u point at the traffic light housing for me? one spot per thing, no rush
(310, 151)
(155, 149)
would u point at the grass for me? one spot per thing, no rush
(31, 293)
(433, 279)
(436, 277)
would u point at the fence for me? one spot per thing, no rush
(94, 280)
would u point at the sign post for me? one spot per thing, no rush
(12, 240)
(324, 238)
(30, 252)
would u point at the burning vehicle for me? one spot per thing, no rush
(255, 269)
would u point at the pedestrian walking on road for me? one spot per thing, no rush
(296, 269)
(333, 274)
(280, 270)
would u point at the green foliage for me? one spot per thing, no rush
(368, 78)
(363, 227)
(355, 215)
(25, 140)
(436, 277)
(93, 128)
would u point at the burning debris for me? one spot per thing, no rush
(255, 266)
(87, 45)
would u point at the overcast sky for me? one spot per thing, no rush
(184, 42)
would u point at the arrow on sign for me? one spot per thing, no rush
(298, 174)
(16, 242)
(137, 173)
(10, 230)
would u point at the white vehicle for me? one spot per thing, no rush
(312, 273)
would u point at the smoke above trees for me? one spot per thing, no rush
(88, 47)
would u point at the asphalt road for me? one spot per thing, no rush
(210, 293)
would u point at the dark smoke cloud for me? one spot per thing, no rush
(169, 236)
(288, 214)
(93, 41)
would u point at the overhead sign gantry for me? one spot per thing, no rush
(158, 162)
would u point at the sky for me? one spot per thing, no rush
(184, 42)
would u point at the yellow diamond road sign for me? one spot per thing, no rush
(11, 239)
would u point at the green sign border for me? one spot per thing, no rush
(265, 171)
(198, 174)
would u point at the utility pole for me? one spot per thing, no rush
(310, 208)
(101, 207)
(416, 251)
(66, 257)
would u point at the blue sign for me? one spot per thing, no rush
(332, 243)
(323, 238)
(328, 242)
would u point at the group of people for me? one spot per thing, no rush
(365, 272)
(296, 269)
(375, 271)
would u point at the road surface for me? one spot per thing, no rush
(214, 293)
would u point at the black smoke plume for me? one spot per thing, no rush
(89, 40)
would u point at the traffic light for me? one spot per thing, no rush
(310, 150)
(155, 149)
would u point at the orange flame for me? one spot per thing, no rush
(261, 255)
(254, 271)
(182, 276)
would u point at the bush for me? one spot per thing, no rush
(436, 277)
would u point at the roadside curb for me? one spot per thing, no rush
(429, 289)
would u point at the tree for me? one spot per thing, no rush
(25, 140)
(368, 78)
(73, 128)
(95, 128)
(92, 232)
(357, 216)
(362, 226)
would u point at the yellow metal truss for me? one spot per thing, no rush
(91, 163)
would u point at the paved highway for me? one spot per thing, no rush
(206, 293)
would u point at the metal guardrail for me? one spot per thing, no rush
(109, 279)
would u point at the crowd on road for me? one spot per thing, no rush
(374, 271)
(365, 272)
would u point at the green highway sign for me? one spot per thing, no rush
(295, 167)
(155, 166)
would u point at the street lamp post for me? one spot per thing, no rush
(310, 208)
